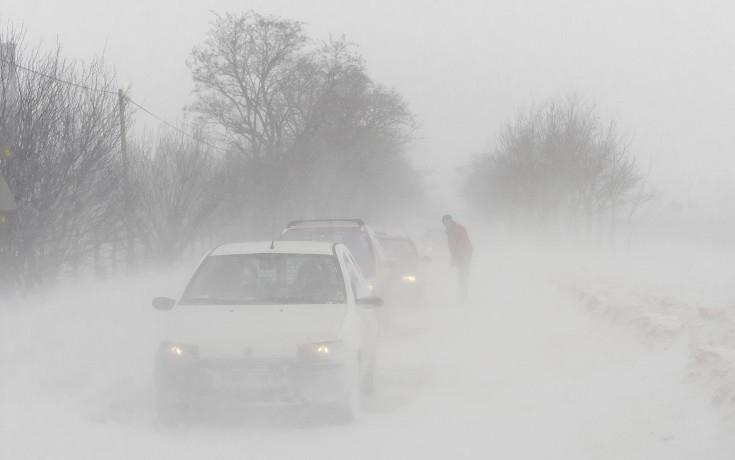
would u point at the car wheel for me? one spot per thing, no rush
(349, 408)
(368, 382)
(384, 319)
(168, 414)
(169, 408)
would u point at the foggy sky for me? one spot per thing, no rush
(663, 69)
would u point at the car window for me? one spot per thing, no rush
(246, 279)
(401, 250)
(435, 234)
(356, 240)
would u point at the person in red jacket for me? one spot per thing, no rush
(460, 249)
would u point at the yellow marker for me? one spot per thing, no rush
(2, 219)
(7, 153)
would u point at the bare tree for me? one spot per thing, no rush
(554, 162)
(313, 131)
(62, 132)
(360, 165)
(178, 187)
(241, 72)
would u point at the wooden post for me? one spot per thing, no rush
(130, 243)
(113, 257)
(97, 268)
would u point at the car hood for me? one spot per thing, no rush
(259, 331)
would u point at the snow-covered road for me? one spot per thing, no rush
(522, 371)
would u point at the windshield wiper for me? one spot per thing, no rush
(276, 300)
(203, 300)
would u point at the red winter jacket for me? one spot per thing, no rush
(459, 243)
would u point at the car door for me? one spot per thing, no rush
(358, 287)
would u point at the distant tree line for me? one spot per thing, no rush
(557, 163)
(282, 127)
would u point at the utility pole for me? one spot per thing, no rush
(7, 201)
(130, 242)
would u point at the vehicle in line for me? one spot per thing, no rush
(353, 233)
(406, 280)
(269, 324)
(433, 243)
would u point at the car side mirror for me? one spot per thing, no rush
(369, 302)
(163, 303)
(426, 259)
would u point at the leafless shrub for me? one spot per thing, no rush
(557, 162)
(63, 166)
(178, 185)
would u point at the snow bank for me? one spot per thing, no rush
(673, 297)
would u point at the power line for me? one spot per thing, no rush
(179, 130)
(113, 93)
(51, 77)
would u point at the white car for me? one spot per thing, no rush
(284, 323)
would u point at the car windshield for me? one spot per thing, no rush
(356, 240)
(401, 250)
(250, 279)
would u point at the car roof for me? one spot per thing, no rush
(435, 232)
(326, 223)
(394, 237)
(279, 247)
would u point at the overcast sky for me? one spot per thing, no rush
(664, 69)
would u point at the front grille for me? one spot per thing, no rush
(253, 381)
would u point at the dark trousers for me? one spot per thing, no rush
(463, 270)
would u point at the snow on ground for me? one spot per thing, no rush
(556, 358)
(673, 297)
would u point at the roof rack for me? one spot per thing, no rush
(329, 222)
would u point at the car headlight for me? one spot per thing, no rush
(409, 278)
(178, 351)
(321, 351)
